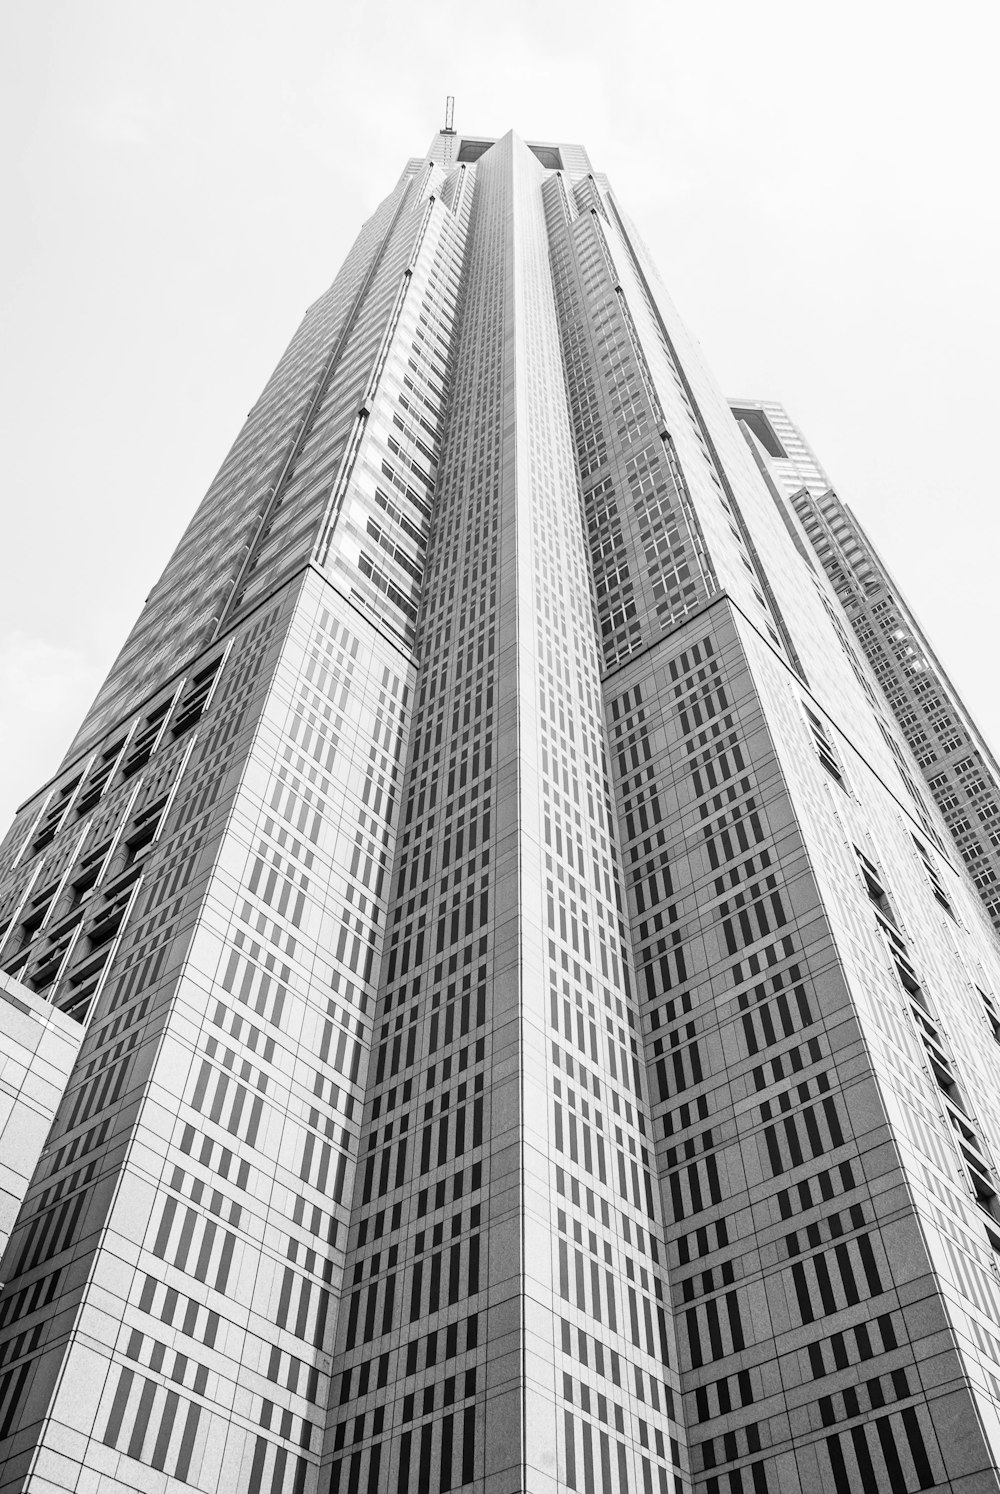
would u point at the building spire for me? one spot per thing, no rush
(449, 115)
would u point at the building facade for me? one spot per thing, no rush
(957, 764)
(536, 1035)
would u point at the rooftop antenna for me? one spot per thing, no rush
(449, 116)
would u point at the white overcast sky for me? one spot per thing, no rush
(818, 184)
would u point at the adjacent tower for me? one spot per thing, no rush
(957, 763)
(536, 1036)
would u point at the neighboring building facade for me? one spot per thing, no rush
(534, 1037)
(958, 765)
(38, 1047)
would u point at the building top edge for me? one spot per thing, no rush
(452, 147)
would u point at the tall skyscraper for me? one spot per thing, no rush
(537, 1037)
(957, 763)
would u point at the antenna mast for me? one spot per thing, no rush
(449, 116)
